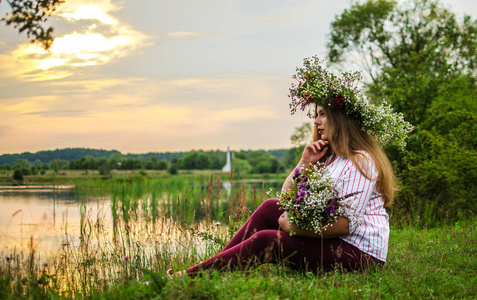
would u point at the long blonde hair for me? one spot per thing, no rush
(347, 138)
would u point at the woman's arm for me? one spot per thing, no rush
(340, 227)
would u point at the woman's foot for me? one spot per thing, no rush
(171, 274)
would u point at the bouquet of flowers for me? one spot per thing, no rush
(313, 203)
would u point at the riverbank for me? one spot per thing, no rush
(437, 263)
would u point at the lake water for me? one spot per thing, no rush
(45, 216)
(49, 217)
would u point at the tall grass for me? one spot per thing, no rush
(159, 223)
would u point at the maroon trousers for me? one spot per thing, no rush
(261, 241)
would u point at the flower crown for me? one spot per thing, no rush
(315, 84)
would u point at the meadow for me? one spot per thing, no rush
(160, 222)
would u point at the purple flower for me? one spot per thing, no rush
(300, 193)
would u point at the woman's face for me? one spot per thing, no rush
(322, 123)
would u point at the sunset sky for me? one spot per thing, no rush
(153, 76)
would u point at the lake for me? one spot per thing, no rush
(44, 215)
(50, 216)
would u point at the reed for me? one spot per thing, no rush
(155, 223)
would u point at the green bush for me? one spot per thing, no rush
(437, 178)
(18, 175)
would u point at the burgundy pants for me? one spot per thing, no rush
(260, 241)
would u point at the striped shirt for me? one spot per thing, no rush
(369, 230)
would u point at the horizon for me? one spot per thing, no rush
(163, 77)
(147, 152)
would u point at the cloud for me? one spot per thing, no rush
(183, 34)
(102, 41)
(56, 113)
(75, 10)
(144, 114)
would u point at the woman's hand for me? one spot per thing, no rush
(283, 222)
(314, 152)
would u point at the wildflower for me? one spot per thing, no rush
(217, 223)
(126, 257)
(315, 204)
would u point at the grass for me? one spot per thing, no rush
(152, 231)
(437, 263)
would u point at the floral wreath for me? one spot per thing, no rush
(316, 84)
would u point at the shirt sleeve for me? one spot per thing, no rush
(353, 181)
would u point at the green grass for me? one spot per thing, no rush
(437, 263)
(163, 222)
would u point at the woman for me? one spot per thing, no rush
(357, 165)
(265, 236)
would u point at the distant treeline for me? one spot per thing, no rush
(248, 161)
(69, 154)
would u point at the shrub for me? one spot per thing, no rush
(18, 175)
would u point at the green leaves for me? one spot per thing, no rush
(385, 34)
(29, 15)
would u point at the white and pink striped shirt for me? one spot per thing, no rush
(369, 232)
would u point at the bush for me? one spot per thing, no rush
(173, 169)
(18, 175)
(437, 180)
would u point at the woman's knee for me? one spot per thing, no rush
(270, 204)
(266, 237)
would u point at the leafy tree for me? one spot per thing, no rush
(217, 159)
(23, 165)
(18, 175)
(173, 168)
(162, 164)
(240, 167)
(196, 160)
(150, 163)
(299, 139)
(29, 16)
(385, 33)
(263, 162)
(131, 164)
(422, 60)
(302, 135)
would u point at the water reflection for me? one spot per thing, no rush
(51, 216)
(45, 215)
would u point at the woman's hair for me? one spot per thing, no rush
(347, 137)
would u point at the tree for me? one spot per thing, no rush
(162, 164)
(29, 16)
(384, 34)
(302, 135)
(422, 60)
(196, 160)
(240, 167)
(18, 175)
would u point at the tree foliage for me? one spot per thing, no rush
(29, 16)
(422, 60)
(384, 34)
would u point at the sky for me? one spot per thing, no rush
(142, 76)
